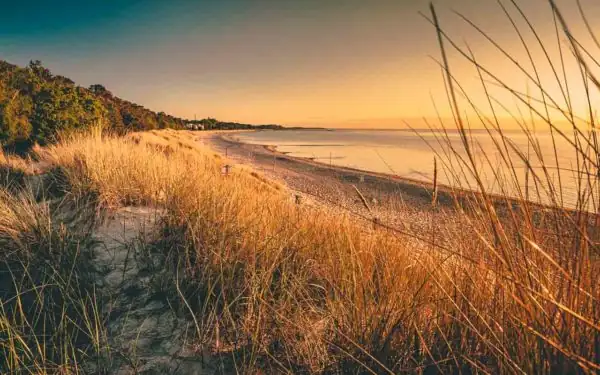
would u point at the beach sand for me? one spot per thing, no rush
(399, 204)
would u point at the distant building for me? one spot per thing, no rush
(193, 126)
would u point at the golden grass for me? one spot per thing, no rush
(15, 162)
(22, 222)
(14, 169)
(121, 170)
(244, 230)
(303, 289)
(269, 271)
(48, 311)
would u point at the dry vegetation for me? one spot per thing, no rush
(274, 285)
(48, 308)
(13, 169)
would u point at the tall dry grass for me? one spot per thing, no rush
(534, 299)
(259, 274)
(14, 169)
(271, 284)
(49, 317)
(120, 171)
(303, 287)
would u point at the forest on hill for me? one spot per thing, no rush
(36, 105)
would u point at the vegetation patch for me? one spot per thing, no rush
(49, 318)
(263, 282)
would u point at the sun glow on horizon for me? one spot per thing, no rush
(308, 63)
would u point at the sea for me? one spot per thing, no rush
(540, 167)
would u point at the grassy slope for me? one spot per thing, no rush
(273, 285)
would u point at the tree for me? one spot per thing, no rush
(35, 106)
(37, 67)
(14, 118)
(99, 90)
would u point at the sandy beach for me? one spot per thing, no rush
(401, 204)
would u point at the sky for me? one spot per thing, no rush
(338, 63)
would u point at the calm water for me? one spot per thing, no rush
(407, 154)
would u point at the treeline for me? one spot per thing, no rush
(35, 105)
(214, 124)
(123, 115)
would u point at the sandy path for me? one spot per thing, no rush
(145, 335)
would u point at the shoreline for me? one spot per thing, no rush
(339, 168)
(446, 195)
(397, 204)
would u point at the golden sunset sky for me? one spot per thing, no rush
(345, 63)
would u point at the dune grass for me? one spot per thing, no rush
(49, 318)
(109, 168)
(546, 257)
(258, 269)
(271, 284)
(14, 169)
